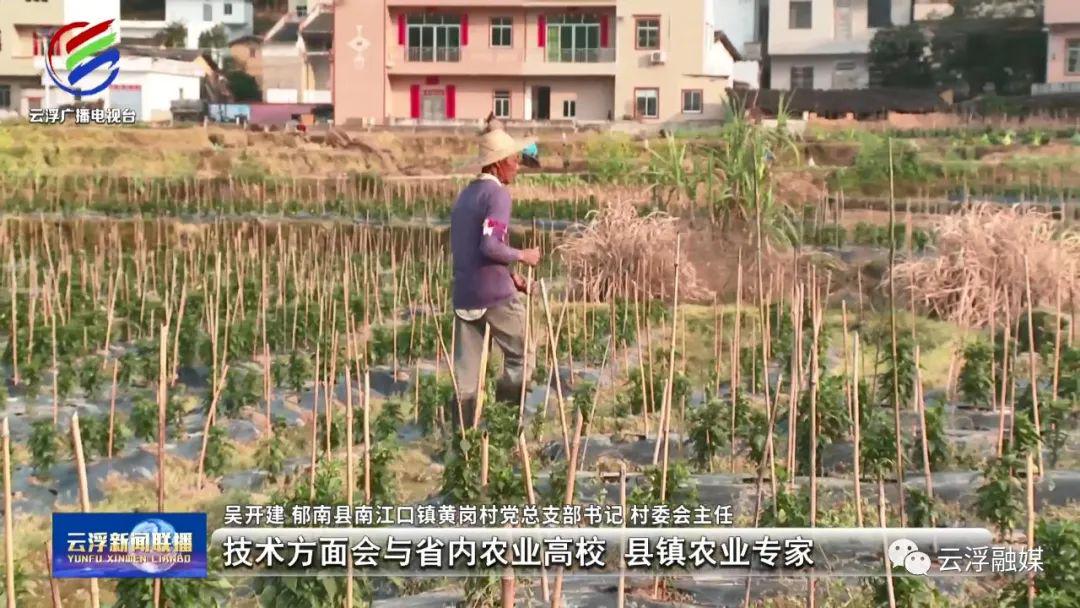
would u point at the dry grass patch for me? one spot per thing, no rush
(623, 252)
(979, 270)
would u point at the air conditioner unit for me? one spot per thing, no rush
(658, 57)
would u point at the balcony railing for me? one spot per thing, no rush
(580, 55)
(426, 53)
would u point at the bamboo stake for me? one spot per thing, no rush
(481, 379)
(315, 412)
(665, 411)
(641, 361)
(54, 586)
(350, 475)
(55, 370)
(814, 379)
(1007, 326)
(484, 455)
(892, 323)
(621, 596)
(855, 370)
(111, 309)
(555, 368)
(162, 405)
(1057, 343)
(14, 320)
(530, 494)
(736, 344)
(1029, 483)
(920, 404)
(770, 417)
(1032, 376)
(211, 416)
(884, 524)
(367, 437)
(527, 344)
(84, 503)
(112, 406)
(9, 524)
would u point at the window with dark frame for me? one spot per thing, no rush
(879, 13)
(502, 104)
(802, 77)
(1072, 56)
(801, 15)
(647, 103)
(573, 38)
(691, 101)
(434, 37)
(502, 32)
(647, 30)
(569, 108)
(228, 8)
(5, 95)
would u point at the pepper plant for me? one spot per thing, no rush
(709, 431)
(974, 379)
(219, 450)
(43, 446)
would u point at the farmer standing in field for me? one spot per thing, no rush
(486, 291)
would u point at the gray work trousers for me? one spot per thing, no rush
(507, 322)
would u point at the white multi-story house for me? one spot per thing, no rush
(746, 24)
(824, 44)
(198, 16)
(295, 55)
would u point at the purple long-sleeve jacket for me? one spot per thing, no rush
(479, 241)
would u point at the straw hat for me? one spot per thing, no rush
(497, 144)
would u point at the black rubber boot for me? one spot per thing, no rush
(468, 411)
(508, 392)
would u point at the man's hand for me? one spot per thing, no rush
(530, 257)
(520, 283)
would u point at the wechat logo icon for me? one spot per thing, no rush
(904, 553)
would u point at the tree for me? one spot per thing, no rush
(899, 57)
(174, 36)
(243, 86)
(984, 44)
(997, 9)
(214, 38)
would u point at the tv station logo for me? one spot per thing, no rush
(129, 545)
(90, 57)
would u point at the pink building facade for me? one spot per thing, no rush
(1063, 51)
(402, 61)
